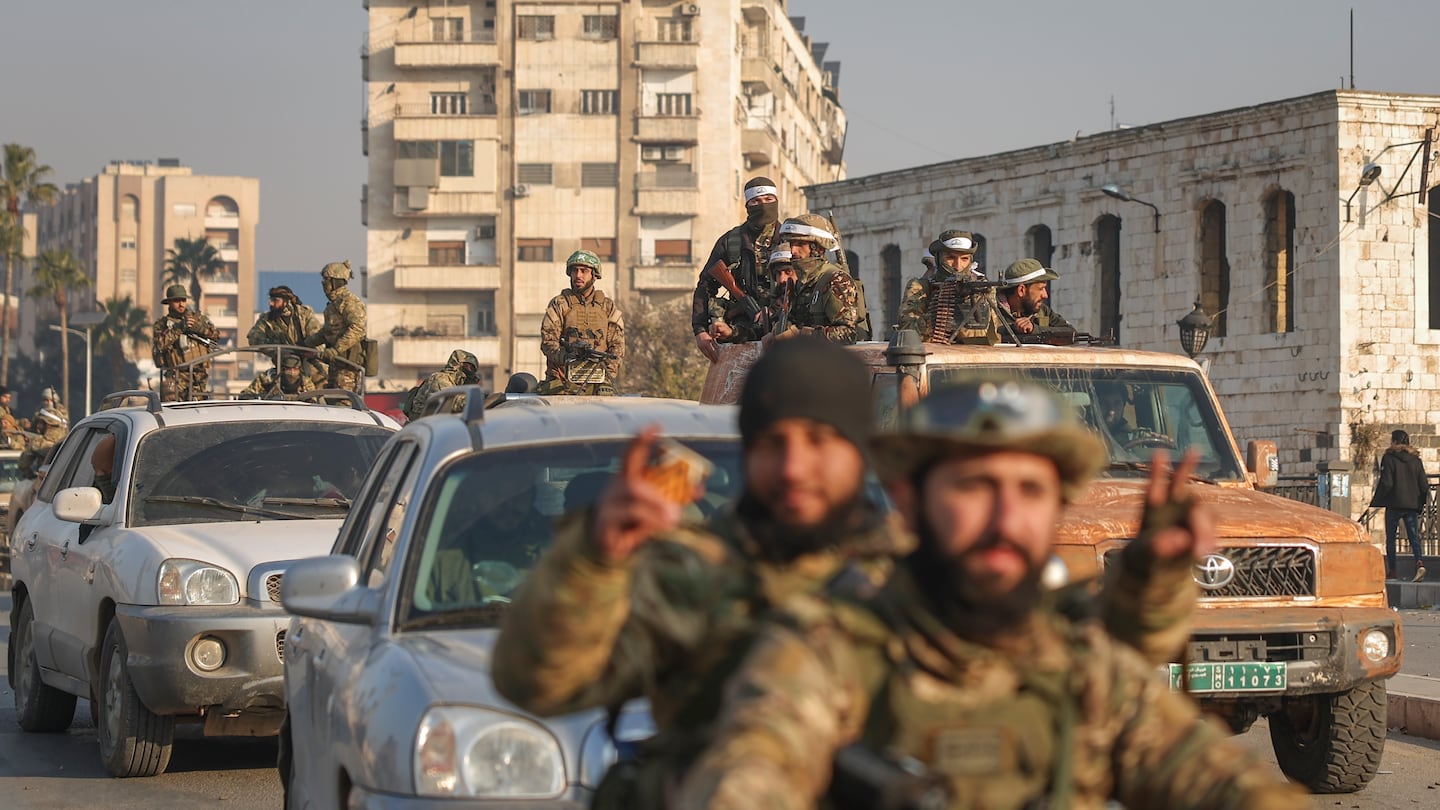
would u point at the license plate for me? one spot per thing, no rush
(1231, 677)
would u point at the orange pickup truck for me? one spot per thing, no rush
(1292, 622)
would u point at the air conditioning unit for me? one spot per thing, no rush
(521, 190)
(690, 9)
(674, 152)
(485, 231)
(652, 153)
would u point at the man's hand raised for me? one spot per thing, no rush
(632, 510)
(1174, 523)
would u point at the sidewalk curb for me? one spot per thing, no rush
(1415, 715)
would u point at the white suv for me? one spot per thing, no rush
(156, 593)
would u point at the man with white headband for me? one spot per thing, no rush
(1024, 301)
(826, 302)
(742, 251)
(954, 261)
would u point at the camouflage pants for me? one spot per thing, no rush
(346, 378)
(185, 384)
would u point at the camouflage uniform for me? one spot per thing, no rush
(343, 333)
(51, 426)
(828, 302)
(270, 384)
(171, 344)
(1056, 709)
(448, 377)
(291, 326)
(12, 438)
(743, 249)
(599, 323)
(1045, 320)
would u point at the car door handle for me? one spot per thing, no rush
(90, 575)
(65, 550)
(30, 544)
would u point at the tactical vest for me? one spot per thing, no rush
(751, 274)
(959, 315)
(812, 303)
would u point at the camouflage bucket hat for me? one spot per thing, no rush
(975, 418)
(175, 292)
(290, 361)
(583, 258)
(1026, 271)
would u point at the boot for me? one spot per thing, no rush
(1419, 572)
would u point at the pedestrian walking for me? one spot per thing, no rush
(1403, 490)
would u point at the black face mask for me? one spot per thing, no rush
(783, 542)
(758, 216)
(965, 612)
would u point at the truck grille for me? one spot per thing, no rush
(1258, 571)
(272, 586)
(1307, 646)
(280, 646)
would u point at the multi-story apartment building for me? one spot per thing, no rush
(120, 223)
(504, 134)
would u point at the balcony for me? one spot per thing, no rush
(220, 288)
(433, 203)
(477, 49)
(222, 220)
(679, 55)
(229, 254)
(664, 277)
(667, 129)
(417, 275)
(758, 144)
(415, 122)
(432, 352)
(671, 193)
(759, 70)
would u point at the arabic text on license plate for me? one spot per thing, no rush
(1231, 677)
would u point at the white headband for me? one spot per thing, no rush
(959, 243)
(1030, 276)
(805, 230)
(755, 191)
(781, 255)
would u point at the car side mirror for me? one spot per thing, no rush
(1263, 462)
(77, 504)
(328, 588)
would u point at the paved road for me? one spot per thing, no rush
(63, 770)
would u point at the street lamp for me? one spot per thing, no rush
(1194, 330)
(1112, 190)
(89, 320)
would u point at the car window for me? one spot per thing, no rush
(82, 474)
(486, 517)
(9, 473)
(61, 466)
(390, 502)
(232, 471)
(362, 513)
(1135, 411)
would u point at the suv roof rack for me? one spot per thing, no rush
(322, 396)
(473, 414)
(121, 399)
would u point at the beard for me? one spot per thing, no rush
(782, 541)
(962, 604)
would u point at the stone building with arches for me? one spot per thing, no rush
(119, 224)
(1324, 287)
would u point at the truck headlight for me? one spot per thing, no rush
(1376, 645)
(466, 751)
(191, 582)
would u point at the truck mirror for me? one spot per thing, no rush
(1263, 462)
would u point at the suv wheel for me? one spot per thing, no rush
(38, 707)
(133, 740)
(1331, 743)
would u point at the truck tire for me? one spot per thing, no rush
(38, 707)
(133, 740)
(1331, 743)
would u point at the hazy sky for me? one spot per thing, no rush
(271, 88)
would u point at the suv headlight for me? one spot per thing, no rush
(191, 582)
(466, 751)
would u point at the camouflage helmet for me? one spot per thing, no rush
(809, 228)
(992, 415)
(780, 255)
(583, 258)
(290, 361)
(340, 270)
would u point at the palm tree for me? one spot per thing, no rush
(189, 261)
(124, 324)
(56, 275)
(20, 176)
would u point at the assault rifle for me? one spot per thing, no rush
(190, 333)
(865, 779)
(748, 306)
(577, 348)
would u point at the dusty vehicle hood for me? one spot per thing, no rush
(1112, 510)
(240, 546)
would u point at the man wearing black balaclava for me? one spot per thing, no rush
(741, 252)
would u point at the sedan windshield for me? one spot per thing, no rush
(229, 471)
(488, 517)
(1134, 410)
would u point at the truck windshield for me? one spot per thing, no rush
(1134, 410)
(230, 471)
(488, 517)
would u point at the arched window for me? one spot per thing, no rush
(1107, 257)
(129, 208)
(1280, 261)
(1214, 265)
(221, 206)
(1038, 244)
(892, 283)
(1433, 202)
